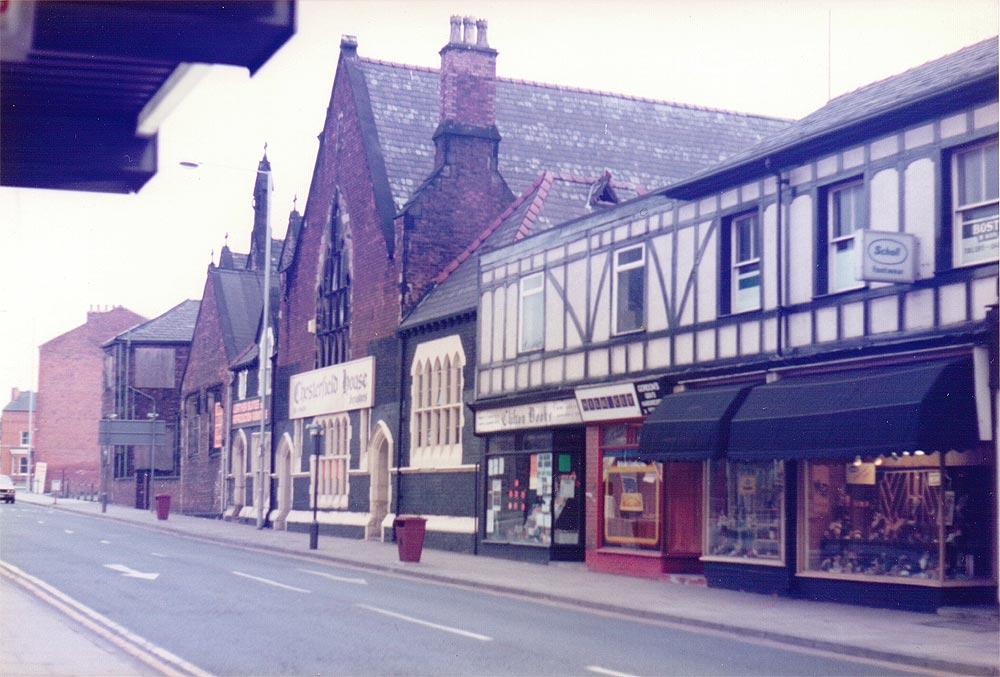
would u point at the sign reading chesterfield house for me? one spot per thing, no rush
(330, 390)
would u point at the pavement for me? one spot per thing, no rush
(960, 641)
(38, 641)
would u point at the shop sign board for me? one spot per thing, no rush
(650, 394)
(246, 412)
(539, 415)
(606, 403)
(888, 257)
(331, 390)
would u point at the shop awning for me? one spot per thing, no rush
(692, 425)
(927, 406)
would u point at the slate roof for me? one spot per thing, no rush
(931, 80)
(22, 402)
(239, 295)
(550, 200)
(547, 127)
(174, 326)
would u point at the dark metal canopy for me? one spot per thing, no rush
(692, 425)
(75, 77)
(926, 406)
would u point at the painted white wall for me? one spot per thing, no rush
(708, 276)
(919, 195)
(883, 201)
(801, 237)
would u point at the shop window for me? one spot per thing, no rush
(331, 473)
(745, 516)
(531, 329)
(633, 490)
(534, 492)
(629, 289)
(889, 518)
(975, 233)
(436, 391)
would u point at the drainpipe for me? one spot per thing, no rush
(780, 182)
(398, 494)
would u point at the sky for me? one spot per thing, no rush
(64, 252)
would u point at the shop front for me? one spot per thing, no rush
(871, 485)
(649, 484)
(533, 482)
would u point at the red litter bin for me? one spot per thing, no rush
(410, 537)
(162, 506)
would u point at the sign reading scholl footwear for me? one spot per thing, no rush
(888, 257)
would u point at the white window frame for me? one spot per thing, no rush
(527, 291)
(836, 242)
(241, 384)
(618, 269)
(739, 266)
(958, 209)
(25, 438)
(332, 475)
(437, 410)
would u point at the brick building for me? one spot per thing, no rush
(413, 164)
(16, 422)
(227, 324)
(69, 401)
(143, 367)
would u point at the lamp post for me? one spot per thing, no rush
(152, 416)
(264, 351)
(105, 459)
(316, 432)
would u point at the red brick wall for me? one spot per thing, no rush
(207, 367)
(12, 424)
(70, 384)
(468, 90)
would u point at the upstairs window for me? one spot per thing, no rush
(974, 203)
(333, 311)
(532, 313)
(629, 289)
(241, 385)
(25, 438)
(845, 217)
(746, 263)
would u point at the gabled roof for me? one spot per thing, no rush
(925, 90)
(239, 296)
(23, 402)
(550, 200)
(174, 326)
(547, 127)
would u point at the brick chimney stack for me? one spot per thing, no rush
(468, 76)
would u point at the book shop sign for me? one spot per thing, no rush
(331, 390)
(539, 415)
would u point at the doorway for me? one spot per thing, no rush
(285, 490)
(379, 453)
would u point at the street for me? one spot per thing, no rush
(228, 610)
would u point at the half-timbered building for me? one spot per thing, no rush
(781, 371)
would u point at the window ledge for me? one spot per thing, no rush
(611, 550)
(742, 560)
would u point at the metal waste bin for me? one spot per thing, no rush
(410, 537)
(162, 506)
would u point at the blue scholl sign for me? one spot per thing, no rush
(888, 257)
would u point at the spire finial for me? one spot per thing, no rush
(265, 150)
(295, 202)
(225, 242)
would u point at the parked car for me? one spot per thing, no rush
(6, 489)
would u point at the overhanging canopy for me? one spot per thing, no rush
(692, 425)
(928, 406)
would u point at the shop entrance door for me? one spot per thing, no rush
(142, 489)
(568, 507)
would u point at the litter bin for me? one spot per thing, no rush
(410, 537)
(162, 506)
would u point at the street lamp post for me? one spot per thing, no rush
(106, 459)
(316, 432)
(264, 352)
(152, 416)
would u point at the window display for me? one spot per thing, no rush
(632, 503)
(519, 499)
(888, 518)
(746, 510)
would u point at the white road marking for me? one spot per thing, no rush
(270, 582)
(69, 531)
(41, 521)
(103, 542)
(436, 626)
(342, 579)
(157, 554)
(604, 671)
(128, 572)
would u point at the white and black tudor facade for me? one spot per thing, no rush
(781, 372)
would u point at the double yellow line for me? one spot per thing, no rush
(144, 651)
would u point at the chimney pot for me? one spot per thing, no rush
(14, 392)
(348, 45)
(467, 24)
(456, 30)
(481, 34)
